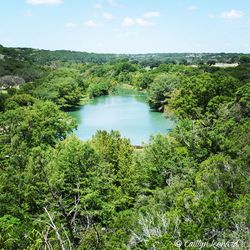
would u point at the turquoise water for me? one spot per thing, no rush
(129, 114)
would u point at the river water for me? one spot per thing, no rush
(129, 114)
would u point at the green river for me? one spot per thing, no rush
(128, 113)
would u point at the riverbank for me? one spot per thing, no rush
(84, 100)
(124, 89)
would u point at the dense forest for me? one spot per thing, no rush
(151, 60)
(192, 184)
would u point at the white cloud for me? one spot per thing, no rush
(152, 14)
(192, 8)
(70, 25)
(90, 24)
(28, 13)
(232, 14)
(114, 3)
(111, 2)
(44, 2)
(97, 6)
(128, 21)
(143, 22)
(107, 16)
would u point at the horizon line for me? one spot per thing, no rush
(123, 53)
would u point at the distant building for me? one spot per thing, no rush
(225, 65)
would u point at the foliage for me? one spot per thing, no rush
(161, 89)
(64, 91)
(98, 87)
(11, 81)
(58, 192)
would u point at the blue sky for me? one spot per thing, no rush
(127, 26)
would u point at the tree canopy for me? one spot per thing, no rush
(59, 192)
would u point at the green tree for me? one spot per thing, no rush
(161, 88)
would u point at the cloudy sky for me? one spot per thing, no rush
(127, 26)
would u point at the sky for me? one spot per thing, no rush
(127, 26)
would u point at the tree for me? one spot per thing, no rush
(118, 153)
(164, 160)
(41, 125)
(195, 93)
(161, 88)
(124, 67)
(142, 80)
(11, 81)
(63, 91)
(245, 59)
(72, 201)
(19, 100)
(211, 62)
(3, 98)
(10, 232)
(99, 87)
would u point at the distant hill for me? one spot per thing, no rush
(153, 59)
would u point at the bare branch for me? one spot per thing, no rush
(54, 227)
